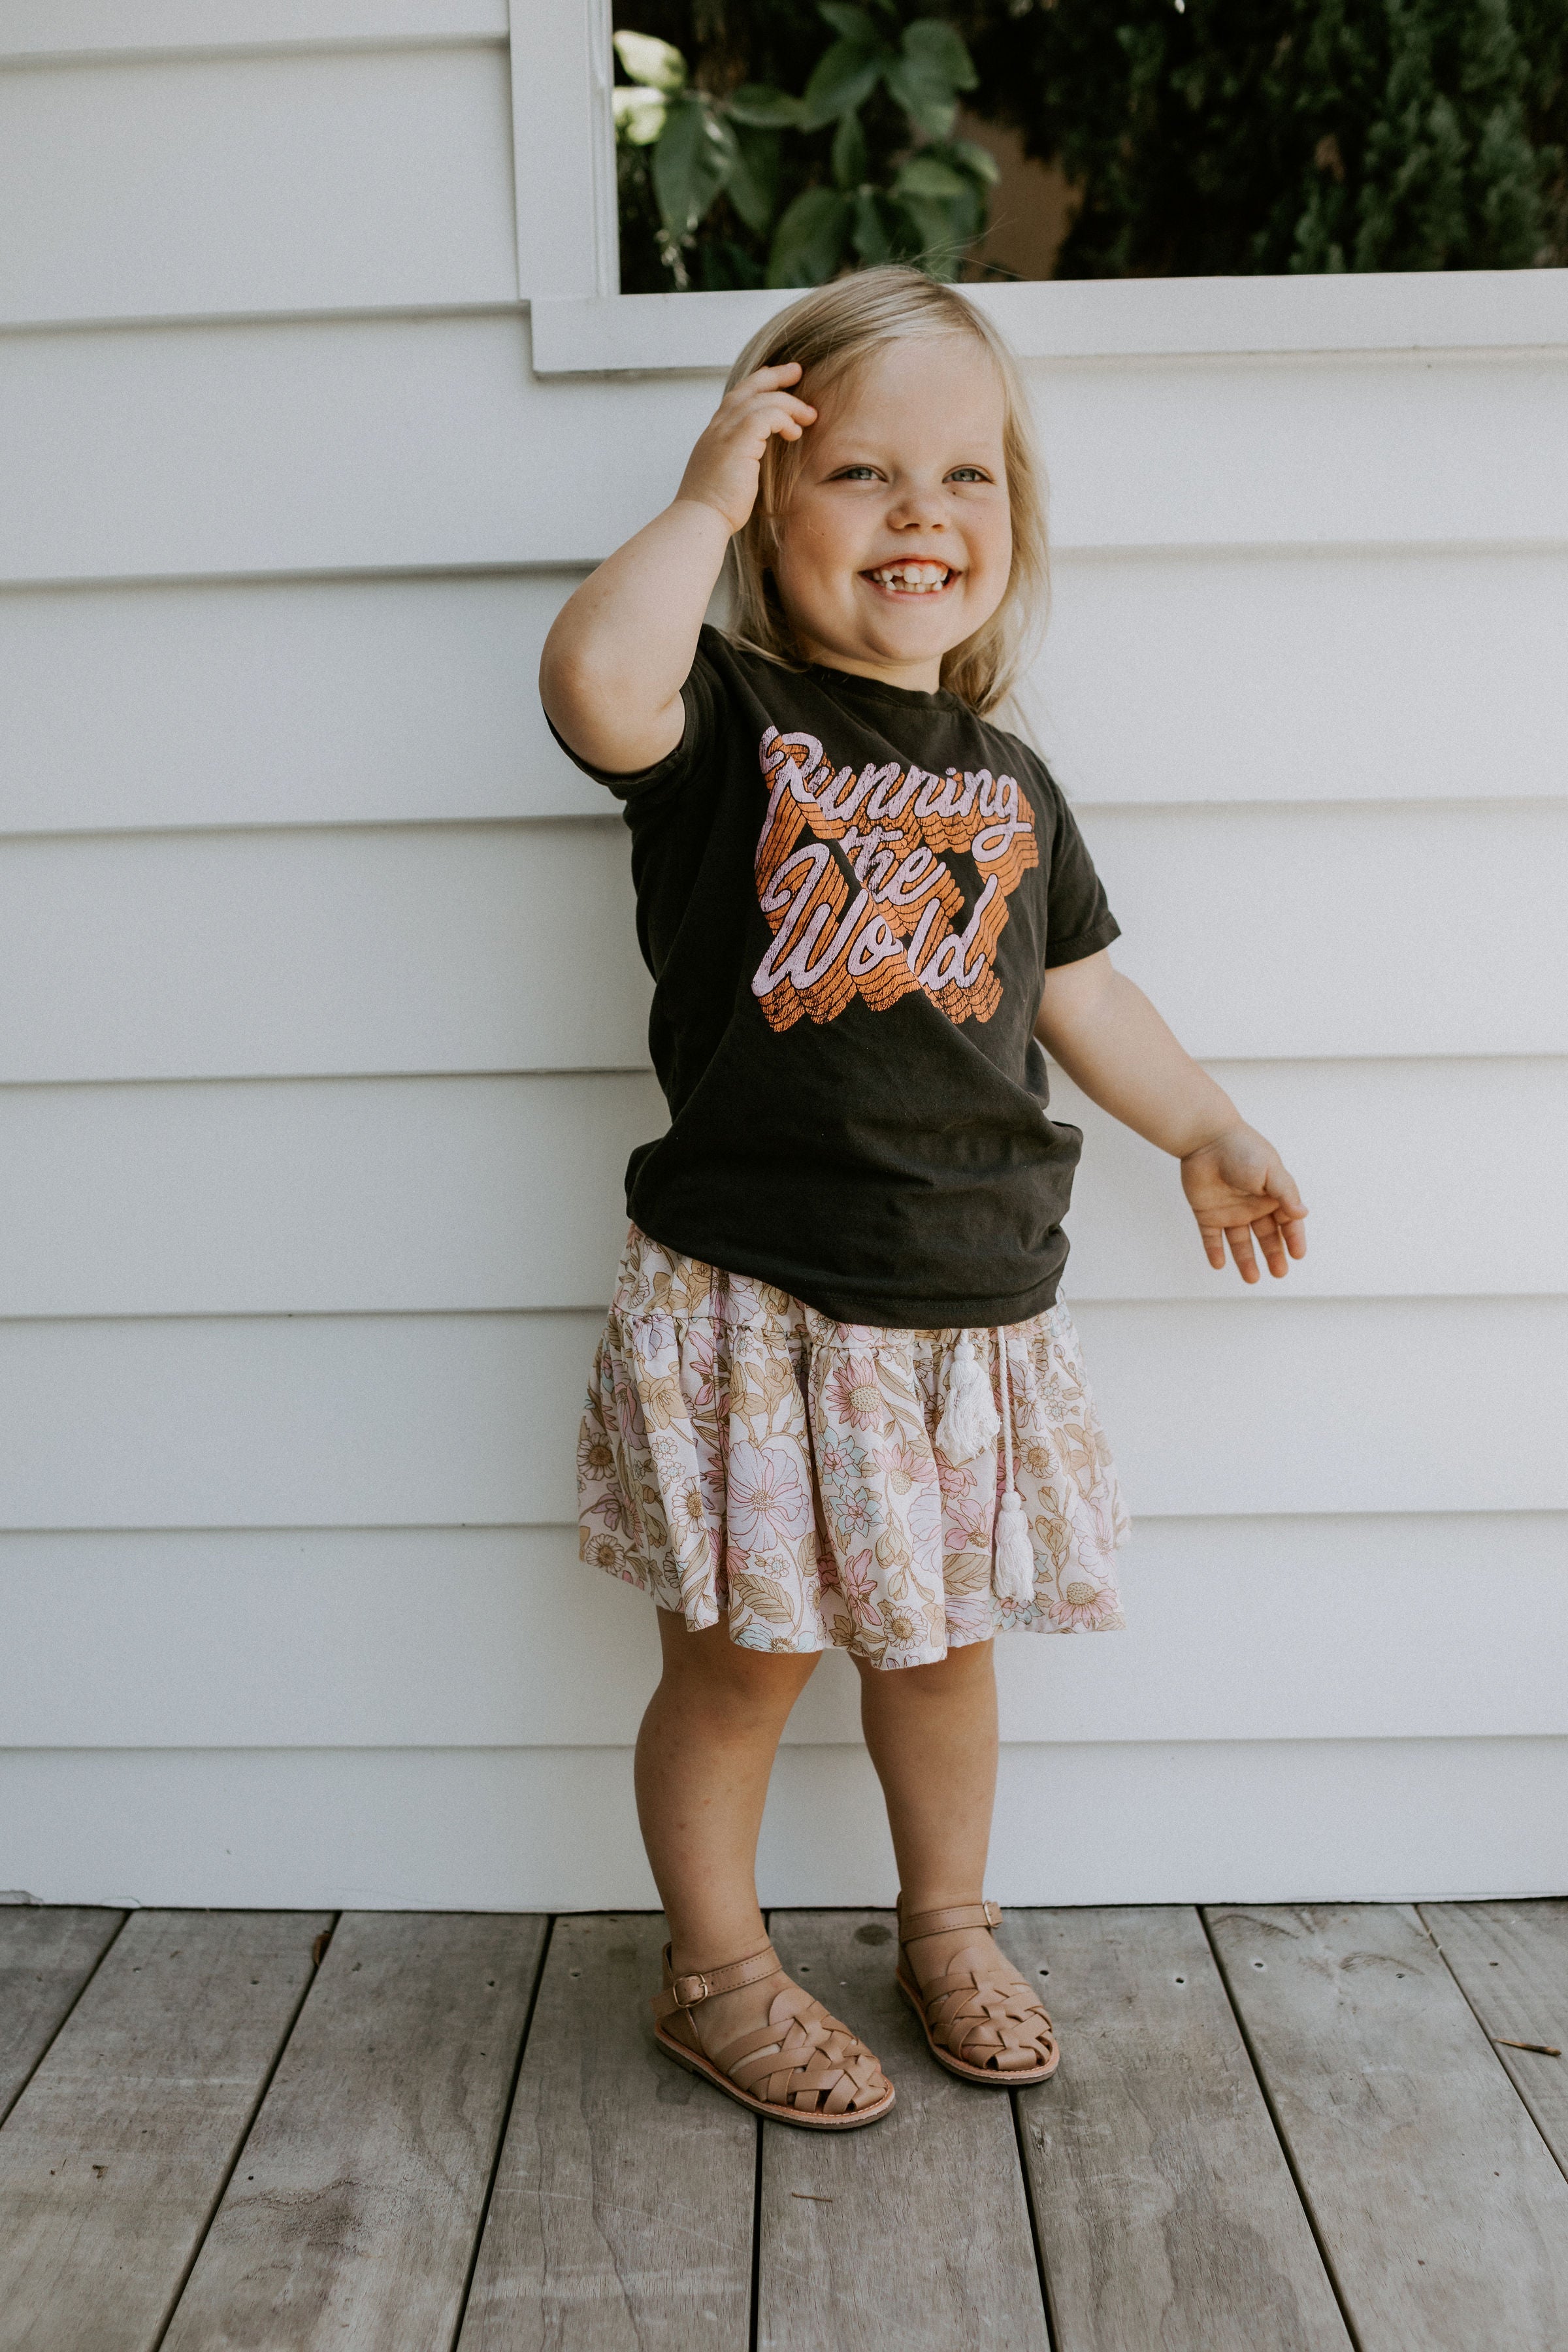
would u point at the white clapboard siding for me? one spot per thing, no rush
(388, 443)
(294, 702)
(1403, 674)
(353, 181)
(1255, 1405)
(1378, 676)
(375, 1196)
(34, 29)
(470, 948)
(1273, 1821)
(1415, 1628)
(1414, 929)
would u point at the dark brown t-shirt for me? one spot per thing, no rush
(848, 895)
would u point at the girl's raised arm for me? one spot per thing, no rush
(622, 648)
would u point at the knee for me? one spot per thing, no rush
(964, 1669)
(707, 1670)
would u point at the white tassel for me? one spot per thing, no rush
(1015, 1575)
(1014, 1552)
(969, 1420)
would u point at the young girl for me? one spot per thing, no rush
(836, 1399)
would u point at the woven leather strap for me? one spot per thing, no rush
(1003, 2029)
(685, 1993)
(940, 1923)
(803, 2058)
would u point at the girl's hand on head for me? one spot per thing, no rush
(1240, 1191)
(724, 469)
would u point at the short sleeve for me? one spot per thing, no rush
(698, 696)
(1079, 920)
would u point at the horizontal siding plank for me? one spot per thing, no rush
(440, 948)
(401, 1194)
(172, 955)
(376, 443)
(503, 1829)
(408, 699)
(1257, 679)
(1253, 1406)
(460, 1637)
(1322, 676)
(51, 29)
(353, 181)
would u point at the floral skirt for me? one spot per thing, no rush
(741, 1453)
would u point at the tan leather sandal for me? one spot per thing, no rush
(802, 2067)
(982, 2022)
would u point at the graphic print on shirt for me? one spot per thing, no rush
(892, 928)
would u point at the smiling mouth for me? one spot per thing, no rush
(911, 578)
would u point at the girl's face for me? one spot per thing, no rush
(897, 541)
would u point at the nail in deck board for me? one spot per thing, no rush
(353, 2211)
(45, 1958)
(621, 2218)
(1441, 2211)
(113, 2157)
(1511, 1960)
(1165, 2208)
(926, 2245)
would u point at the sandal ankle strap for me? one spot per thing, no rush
(686, 1992)
(938, 1923)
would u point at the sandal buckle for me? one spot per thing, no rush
(687, 1991)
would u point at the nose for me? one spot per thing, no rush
(917, 506)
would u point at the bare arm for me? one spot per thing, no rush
(1112, 1043)
(622, 648)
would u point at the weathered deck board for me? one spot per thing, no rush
(352, 2214)
(922, 2239)
(113, 2157)
(621, 2218)
(1439, 2206)
(1165, 2208)
(47, 1954)
(1512, 1960)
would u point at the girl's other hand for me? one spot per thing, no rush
(1238, 1190)
(725, 467)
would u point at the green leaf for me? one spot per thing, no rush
(978, 161)
(936, 243)
(849, 24)
(753, 186)
(694, 157)
(928, 100)
(926, 176)
(639, 114)
(935, 47)
(762, 106)
(849, 162)
(870, 235)
(655, 64)
(809, 242)
(843, 79)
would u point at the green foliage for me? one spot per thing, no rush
(1223, 136)
(703, 172)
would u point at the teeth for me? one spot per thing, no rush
(920, 577)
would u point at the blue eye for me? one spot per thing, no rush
(968, 473)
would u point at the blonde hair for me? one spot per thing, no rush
(830, 330)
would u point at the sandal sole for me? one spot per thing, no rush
(695, 2064)
(990, 2078)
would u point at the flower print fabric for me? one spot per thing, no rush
(741, 1451)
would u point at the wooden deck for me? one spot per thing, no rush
(394, 2132)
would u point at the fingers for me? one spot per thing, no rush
(1214, 1244)
(1271, 1242)
(1242, 1251)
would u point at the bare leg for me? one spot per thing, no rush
(703, 1758)
(931, 1733)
